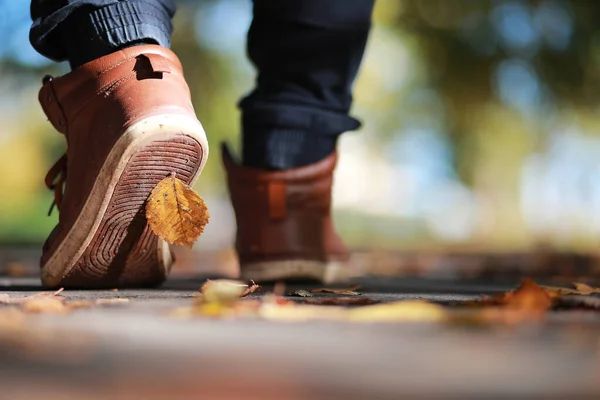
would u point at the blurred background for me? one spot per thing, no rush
(481, 124)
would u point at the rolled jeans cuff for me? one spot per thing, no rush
(110, 27)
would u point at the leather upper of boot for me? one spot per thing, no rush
(284, 215)
(93, 105)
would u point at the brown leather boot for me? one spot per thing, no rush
(129, 123)
(284, 226)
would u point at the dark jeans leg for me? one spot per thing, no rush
(82, 30)
(307, 53)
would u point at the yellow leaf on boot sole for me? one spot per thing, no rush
(176, 213)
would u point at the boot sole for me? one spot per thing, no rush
(110, 244)
(295, 270)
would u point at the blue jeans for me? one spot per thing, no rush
(307, 53)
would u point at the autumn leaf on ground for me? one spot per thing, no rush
(415, 311)
(580, 289)
(339, 301)
(44, 302)
(584, 289)
(223, 291)
(401, 311)
(291, 312)
(529, 302)
(46, 305)
(6, 299)
(251, 289)
(530, 297)
(76, 304)
(53, 302)
(220, 298)
(176, 213)
(300, 293)
(555, 291)
(111, 301)
(350, 291)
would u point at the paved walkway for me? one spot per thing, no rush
(135, 348)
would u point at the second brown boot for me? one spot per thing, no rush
(284, 225)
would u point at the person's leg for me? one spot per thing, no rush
(307, 53)
(82, 30)
(126, 112)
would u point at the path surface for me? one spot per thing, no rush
(136, 350)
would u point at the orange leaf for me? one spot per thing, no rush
(251, 289)
(176, 213)
(529, 297)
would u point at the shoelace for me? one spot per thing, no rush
(57, 176)
(55, 180)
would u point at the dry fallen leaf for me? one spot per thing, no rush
(529, 302)
(75, 304)
(46, 305)
(221, 298)
(580, 289)
(251, 289)
(528, 297)
(351, 291)
(301, 293)
(111, 301)
(416, 311)
(6, 299)
(176, 213)
(555, 291)
(584, 289)
(291, 312)
(53, 302)
(223, 291)
(401, 311)
(340, 301)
